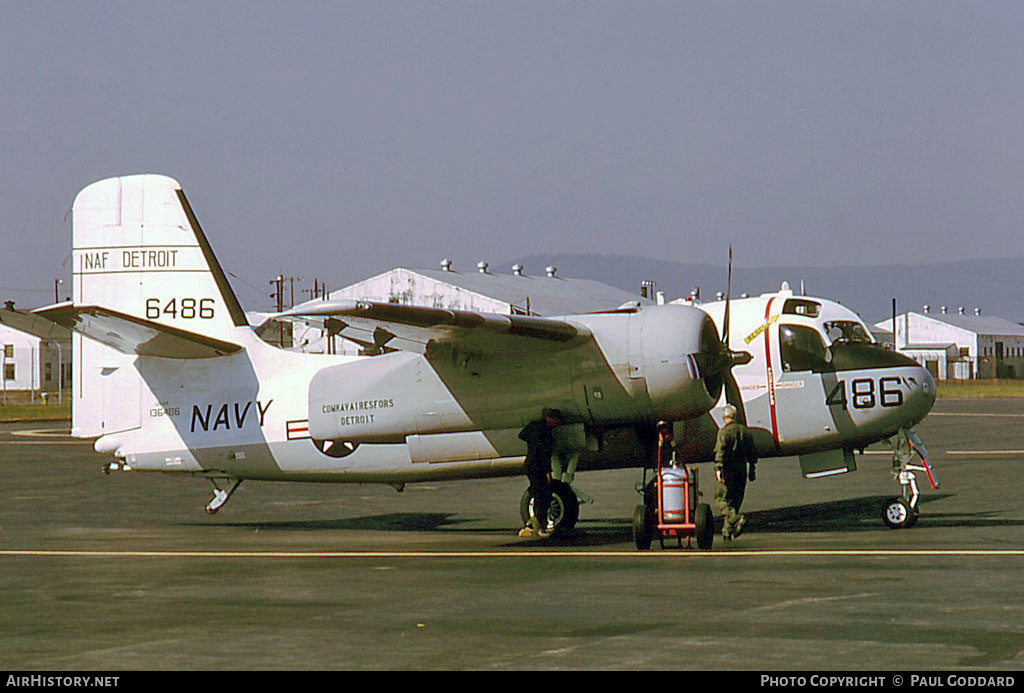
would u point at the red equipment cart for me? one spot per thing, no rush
(671, 510)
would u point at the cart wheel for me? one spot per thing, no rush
(564, 511)
(642, 533)
(705, 527)
(897, 514)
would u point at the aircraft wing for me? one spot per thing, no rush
(386, 326)
(131, 335)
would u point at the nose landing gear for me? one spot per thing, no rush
(902, 511)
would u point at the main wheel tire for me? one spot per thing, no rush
(564, 511)
(897, 514)
(705, 522)
(643, 533)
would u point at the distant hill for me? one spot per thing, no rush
(995, 286)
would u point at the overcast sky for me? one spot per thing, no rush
(340, 139)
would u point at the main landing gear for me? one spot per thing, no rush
(563, 512)
(902, 511)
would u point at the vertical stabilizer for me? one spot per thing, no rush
(139, 250)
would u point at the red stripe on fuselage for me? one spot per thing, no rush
(770, 372)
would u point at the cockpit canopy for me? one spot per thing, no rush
(847, 331)
(803, 349)
(822, 336)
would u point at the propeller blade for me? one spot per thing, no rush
(730, 359)
(735, 398)
(716, 360)
(728, 297)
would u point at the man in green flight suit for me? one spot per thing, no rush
(734, 451)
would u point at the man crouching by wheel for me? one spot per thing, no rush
(539, 446)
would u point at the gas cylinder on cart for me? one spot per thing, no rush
(678, 487)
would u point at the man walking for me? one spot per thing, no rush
(734, 451)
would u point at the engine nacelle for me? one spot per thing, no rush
(672, 348)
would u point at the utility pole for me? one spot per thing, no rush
(291, 281)
(278, 281)
(278, 284)
(317, 290)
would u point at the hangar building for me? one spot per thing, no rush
(30, 364)
(518, 293)
(960, 345)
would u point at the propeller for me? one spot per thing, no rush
(733, 358)
(723, 359)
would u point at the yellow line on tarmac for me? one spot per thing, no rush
(992, 415)
(953, 452)
(539, 553)
(42, 433)
(985, 452)
(46, 442)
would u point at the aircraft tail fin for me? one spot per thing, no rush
(145, 283)
(139, 250)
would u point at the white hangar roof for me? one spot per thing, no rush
(980, 324)
(543, 294)
(977, 324)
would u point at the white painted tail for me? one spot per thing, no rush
(140, 252)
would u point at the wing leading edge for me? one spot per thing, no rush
(412, 328)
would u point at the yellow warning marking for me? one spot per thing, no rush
(540, 553)
(756, 333)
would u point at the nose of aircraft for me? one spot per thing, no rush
(921, 397)
(929, 388)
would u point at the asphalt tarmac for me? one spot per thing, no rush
(127, 572)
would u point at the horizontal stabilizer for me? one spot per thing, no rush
(33, 324)
(131, 335)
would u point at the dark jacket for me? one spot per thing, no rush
(539, 446)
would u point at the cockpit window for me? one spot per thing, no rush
(802, 349)
(847, 331)
(801, 306)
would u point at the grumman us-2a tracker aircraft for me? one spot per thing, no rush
(170, 377)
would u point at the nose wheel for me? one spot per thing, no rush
(899, 514)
